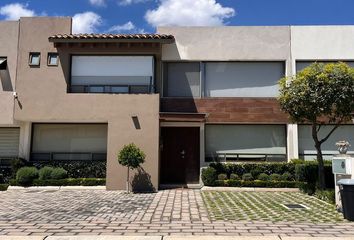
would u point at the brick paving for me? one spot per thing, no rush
(168, 212)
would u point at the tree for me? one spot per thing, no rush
(318, 95)
(131, 157)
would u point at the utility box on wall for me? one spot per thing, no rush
(342, 168)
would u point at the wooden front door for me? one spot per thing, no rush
(180, 161)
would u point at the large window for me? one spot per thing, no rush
(243, 79)
(182, 79)
(307, 149)
(69, 142)
(112, 74)
(300, 65)
(245, 142)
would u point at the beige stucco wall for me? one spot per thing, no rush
(227, 43)
(42, 92)
(8, 48)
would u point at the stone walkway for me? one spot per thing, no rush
(168, 212)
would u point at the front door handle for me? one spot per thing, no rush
(182, 153)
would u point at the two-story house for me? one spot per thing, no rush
(185, 95)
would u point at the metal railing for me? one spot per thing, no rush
(249, 157)
(68, 156)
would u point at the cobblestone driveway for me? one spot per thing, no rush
(168, 212)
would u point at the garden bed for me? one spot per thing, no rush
(64, 182)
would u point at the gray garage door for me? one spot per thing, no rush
(9, 142)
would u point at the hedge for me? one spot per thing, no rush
(3, 187)
(257, 183)
(78, 169)
(65, 182)
(326, 195)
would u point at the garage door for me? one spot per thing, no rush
(9, 142)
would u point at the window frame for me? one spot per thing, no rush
(31, 54)
(50, 54)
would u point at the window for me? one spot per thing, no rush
(243, 79)
(112, 74)
(34, 59)
(69, 141)
(182, 79)
(248, 142)
(9, 142)
(3, 63)
(53, 59)
(307, 149)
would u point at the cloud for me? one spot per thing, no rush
(98, 3)
(86, 22)
(14, 11)
(127, 27)
(189, 13)
(129, 2)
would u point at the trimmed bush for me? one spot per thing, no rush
(275, 177)
(26, 175)
(58, 173)
(257, 183)
(286, 177)
(234, 176)
(78, 169)
(2, 179)
(222, 176)
(326, 195)
(209, 176)
(3, 187)
(247, 177)
(45, 173)
(67, 182)
(263, 177)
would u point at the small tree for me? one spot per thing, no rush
(131, 157)
(320, 94)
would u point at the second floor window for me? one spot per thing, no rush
(34, 59)
(112, 74)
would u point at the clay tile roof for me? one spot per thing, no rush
(119, 37)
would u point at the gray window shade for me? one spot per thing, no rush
(300, 65)
(182, 80)
(306, 144)
(248, 139)
(243, 79)
(69, 138)
(9, 142)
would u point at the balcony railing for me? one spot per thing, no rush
(68, 156)
(118, 89)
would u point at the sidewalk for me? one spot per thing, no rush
(170, 238)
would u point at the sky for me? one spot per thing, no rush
(143, 16)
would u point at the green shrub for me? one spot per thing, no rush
(26, 175)
(326, 195)
(255, 172)
(3, 187)
(256, 168)
(65, 182)
(257, 183)
(309, 188)
(222, 176)
(131, 156)
(209, 176)
(18, 163)
(2, 179)
(234, 176)
(58, 173)
(286, 177)
(297, 161)
(45, 173)
(247, 177)
(263, 177)
(308, 172)
(275, 177)
(77, 169)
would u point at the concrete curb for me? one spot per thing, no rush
(58, 188)
(108, 237)
(248, 189)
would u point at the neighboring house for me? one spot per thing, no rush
(185, 96)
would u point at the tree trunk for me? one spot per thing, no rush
(128, 181)
(321, 176)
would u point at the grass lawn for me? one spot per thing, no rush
(268, 206)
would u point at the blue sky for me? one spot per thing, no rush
(124, 16)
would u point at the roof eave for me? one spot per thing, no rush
(163, 41)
